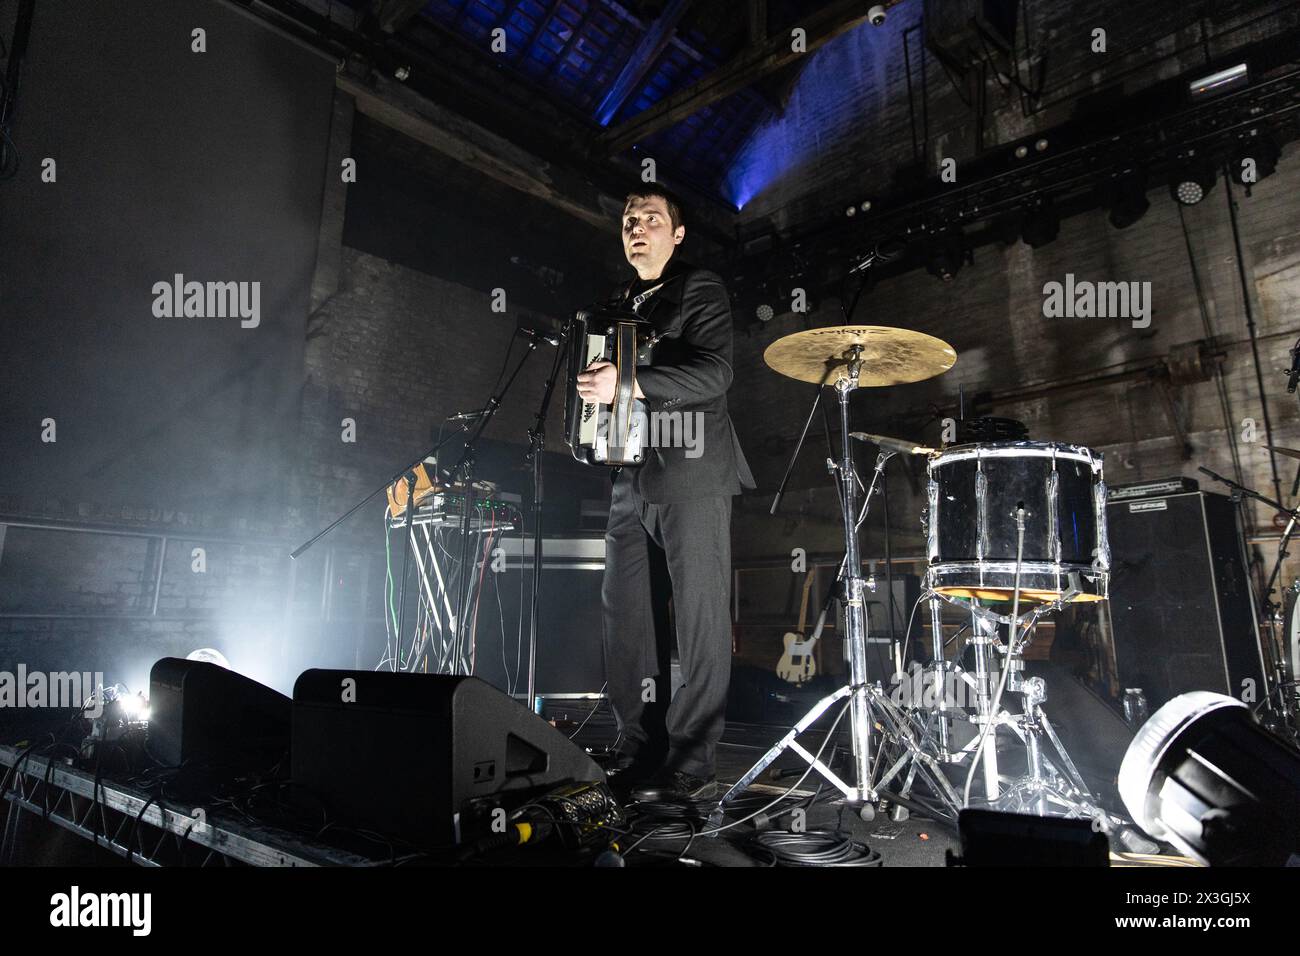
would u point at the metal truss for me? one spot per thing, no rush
(134, 825)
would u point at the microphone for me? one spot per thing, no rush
(893, 444)
(550, 338)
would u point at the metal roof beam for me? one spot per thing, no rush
(763, 59)
(647, 52)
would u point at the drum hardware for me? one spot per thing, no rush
(1051, 782)
(897, 445)
(850, 357)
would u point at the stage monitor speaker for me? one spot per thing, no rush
(1181, 607)
(415, 755)
(203, 714)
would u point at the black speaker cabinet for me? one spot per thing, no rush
(202, 713)
(1182, 610)
(570, 649)
(408, 754)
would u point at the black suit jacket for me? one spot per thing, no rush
(688, 374)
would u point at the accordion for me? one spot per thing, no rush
(614, 434)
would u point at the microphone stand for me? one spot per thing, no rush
(464, 468)
(407, 472)
(536, 446)
(1268, 607)
(789, 468)
(1241, 491)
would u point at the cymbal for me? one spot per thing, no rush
(1289, 452)
(889, 356)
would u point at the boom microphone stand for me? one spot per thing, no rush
(1275, 668)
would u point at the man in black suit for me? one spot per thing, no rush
(674, 509)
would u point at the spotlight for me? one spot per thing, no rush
(135, 707)
(1041, 225)
(1255, 157)
(1125, 195)
(851, 211)
(209, 655)
(764, 313)
(1192, 181)
(945, 256)
(1203, 775)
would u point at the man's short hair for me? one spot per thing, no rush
(652, 190)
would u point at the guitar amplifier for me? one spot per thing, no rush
(1182, 610)
(1152, 489)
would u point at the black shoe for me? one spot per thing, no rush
(676, 785)
(629, 772)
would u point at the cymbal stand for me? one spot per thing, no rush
(857, 690)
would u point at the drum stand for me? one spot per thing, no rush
(859, 693)
(1051, 782)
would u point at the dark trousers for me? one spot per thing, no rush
(689, 543)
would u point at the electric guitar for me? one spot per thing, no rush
(797, 664)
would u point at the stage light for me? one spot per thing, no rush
(1255, 157)
(851, 211)
(1040, 226)
(1203, 775)
(135, 707)
(1193, 181)
(210, 655)
(945, 256)
(764, 312)
(1125, 195)
(1233, 78)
